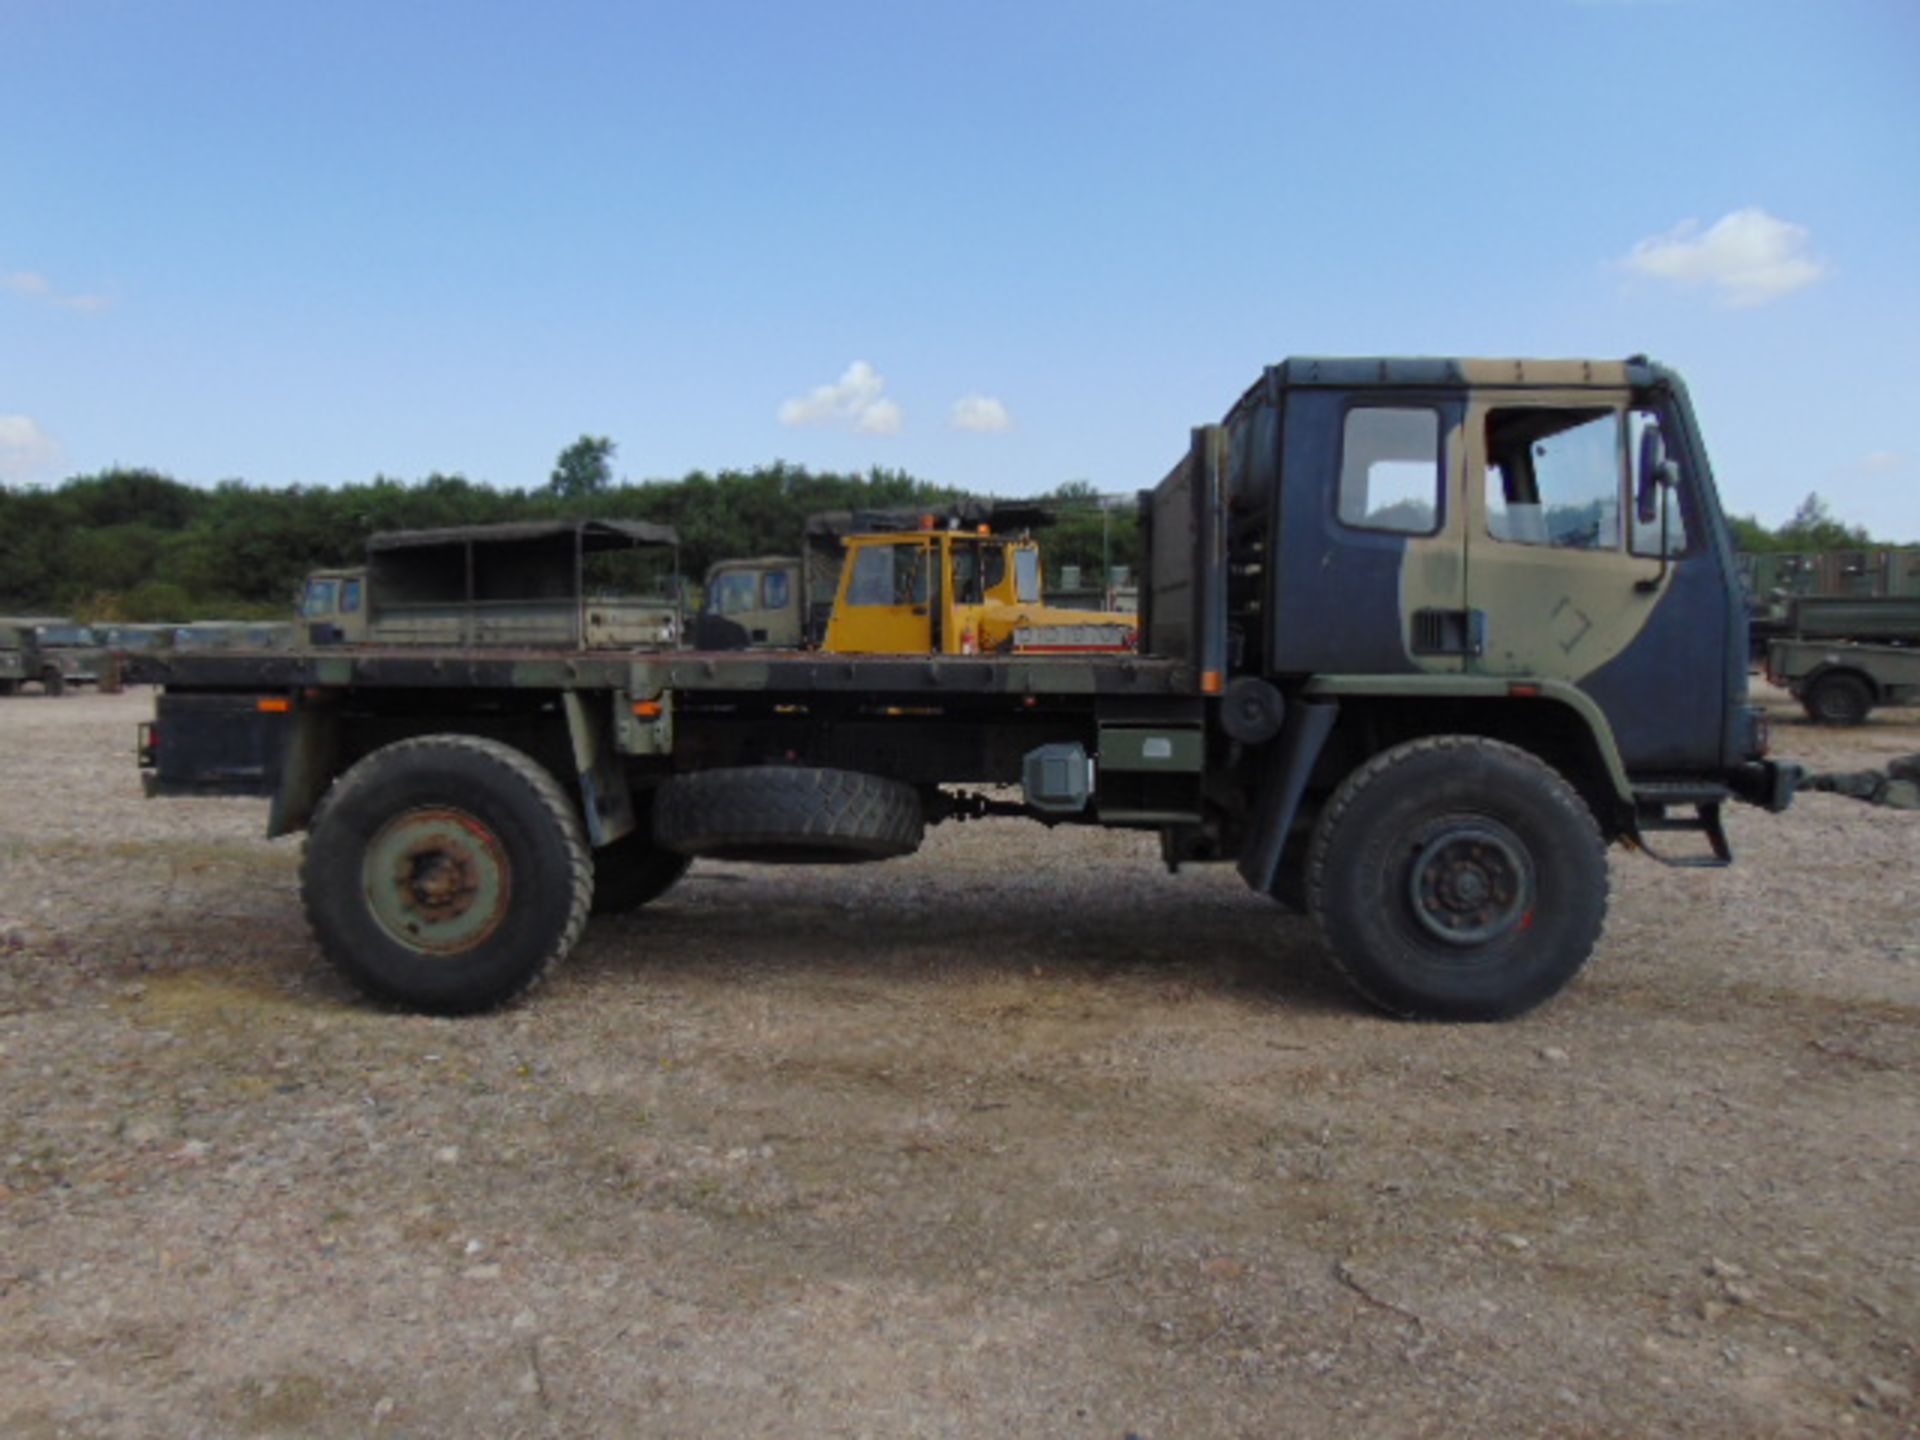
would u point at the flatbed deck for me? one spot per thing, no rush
(646, 673)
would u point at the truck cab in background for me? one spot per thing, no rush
(751, 605)
(333, 607)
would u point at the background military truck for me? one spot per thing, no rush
(753, 604)
(1841, 682)
(13, 660)
(1420, 638)
(586, 584)
(1824, 595)
(51, 650)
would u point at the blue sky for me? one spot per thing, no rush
(997, 245)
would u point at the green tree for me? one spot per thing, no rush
(1814, 528)
(585, 468)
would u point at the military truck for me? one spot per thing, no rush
(54, 651)
(1840, 682)
(13, 661)
(754, 603)
(544, 584)
(1420, 639)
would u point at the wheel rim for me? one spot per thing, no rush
(1840, 703)
(1471, 881)
(437, 880)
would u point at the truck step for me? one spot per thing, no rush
(1653, 804)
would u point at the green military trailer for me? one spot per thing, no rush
(1420, 640)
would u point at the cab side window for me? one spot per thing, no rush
(1554, 477)
(320, 596)
(734, 592)
(349, 596)
(1390, 473)
(775, 587)
(889, 575)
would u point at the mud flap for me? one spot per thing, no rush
(1289, 762)
(605, 800)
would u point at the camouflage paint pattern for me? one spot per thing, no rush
(1617, 625)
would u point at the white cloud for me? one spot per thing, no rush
(26, 451)
(882, 417)
(979, 412)
(855, 399)
(35, 286)
(1748, 257)
(1881, 462)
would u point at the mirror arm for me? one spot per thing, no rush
(1645, 586)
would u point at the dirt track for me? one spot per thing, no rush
(1019, 1136)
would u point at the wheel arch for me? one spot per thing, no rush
(1553, 721)
(1830, 669)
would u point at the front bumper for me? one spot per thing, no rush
(1769, 784)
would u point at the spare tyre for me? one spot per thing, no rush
(788, 815)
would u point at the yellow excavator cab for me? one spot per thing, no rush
(953, 592)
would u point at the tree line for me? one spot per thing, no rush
(138, 545)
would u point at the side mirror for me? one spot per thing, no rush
(1656, 472)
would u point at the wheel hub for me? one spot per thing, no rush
(437, 879)
(1471, 882)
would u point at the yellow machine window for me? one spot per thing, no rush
(889, 575)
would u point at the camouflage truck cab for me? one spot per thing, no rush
(1499, 528)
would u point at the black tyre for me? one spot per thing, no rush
(9, 686)
(53, 682)
(1458, 878)
(1838, 698)
(632, 871)
(446, 874)
(780, 814)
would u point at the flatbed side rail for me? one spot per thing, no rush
(649, 674)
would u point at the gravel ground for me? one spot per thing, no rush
(1018, 1136)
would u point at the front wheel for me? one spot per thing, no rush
(1458, 878)
(1838, 698)
(446, 874)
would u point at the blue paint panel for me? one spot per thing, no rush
(1664, 694)
(1336, 589)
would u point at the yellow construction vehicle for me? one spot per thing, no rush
(957, 591)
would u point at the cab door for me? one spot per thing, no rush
(885, 601)
(1568, 578)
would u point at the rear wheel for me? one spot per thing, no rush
(53, 682)
(446, 874)
(1839, 699)
(1458, 878)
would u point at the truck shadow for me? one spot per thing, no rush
(1209, 937)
